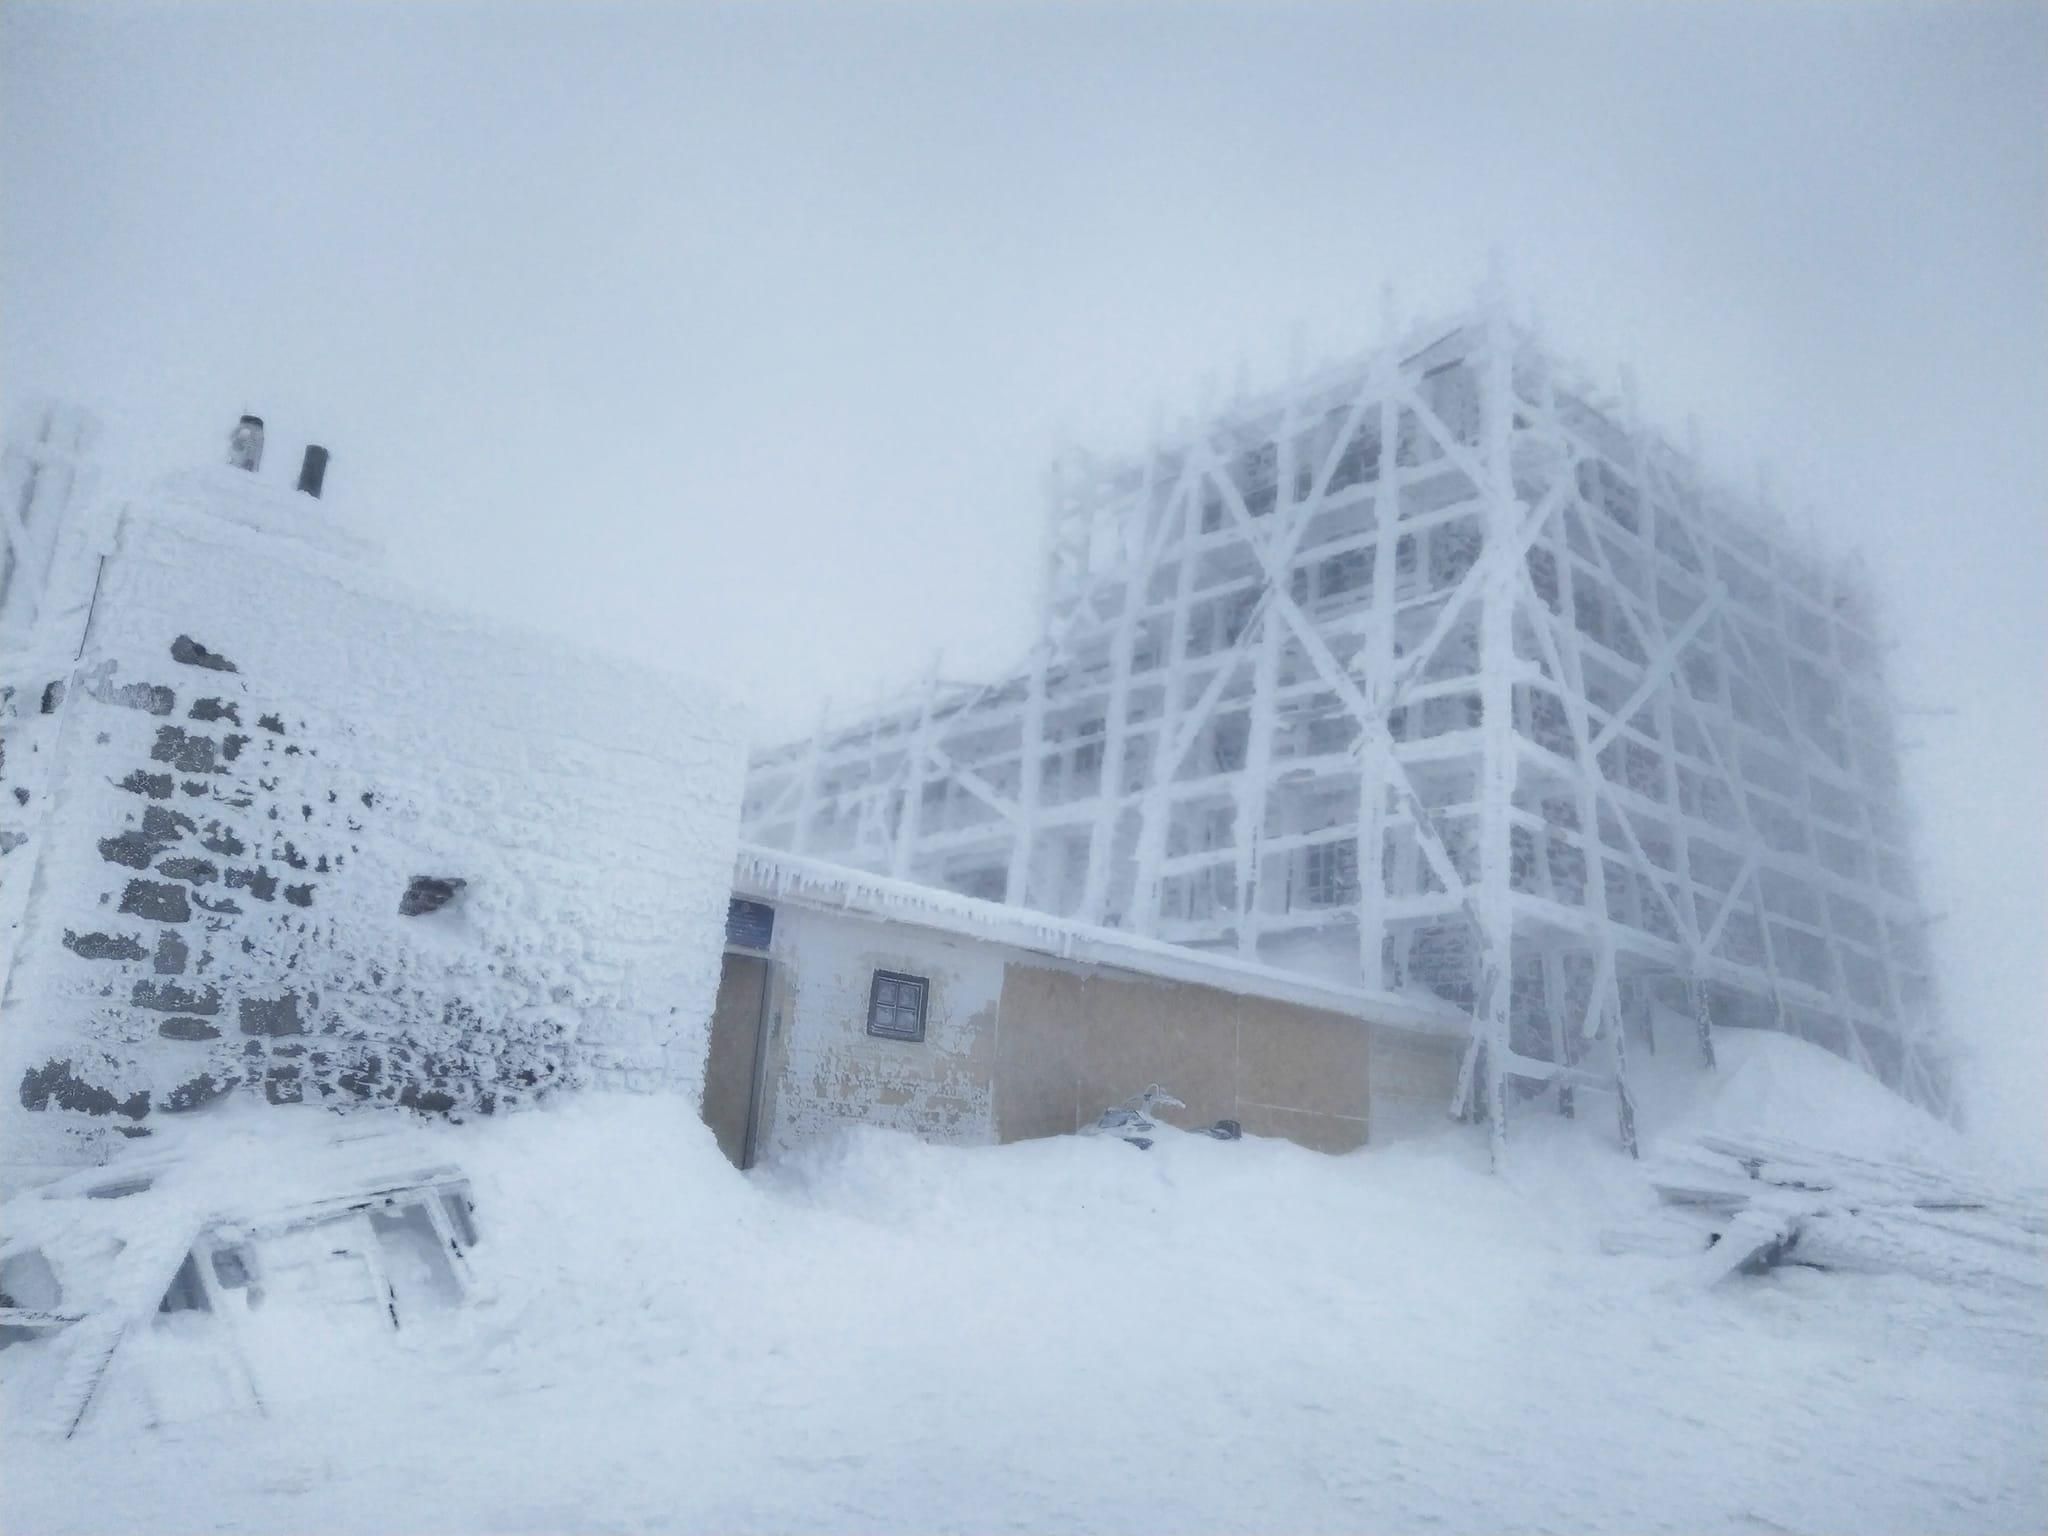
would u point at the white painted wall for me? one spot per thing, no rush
(823, 1069)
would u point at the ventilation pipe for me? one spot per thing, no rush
(313, 472)
(245, 444)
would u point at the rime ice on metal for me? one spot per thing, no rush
(1434, 673)
(46, 468)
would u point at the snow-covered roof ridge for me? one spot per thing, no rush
(248, 501)
(236, 514)
(771, 873)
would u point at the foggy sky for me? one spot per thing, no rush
(739, 338)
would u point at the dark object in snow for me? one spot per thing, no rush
(313, 471)
(1225, 1130)
(1132, 1120)
(428, 893)
(245, 444)
(193, 654)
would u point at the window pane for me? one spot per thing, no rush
(896, 1006)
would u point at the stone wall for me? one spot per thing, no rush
(286, 830)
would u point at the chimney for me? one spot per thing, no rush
(245, 444)
(313, 473)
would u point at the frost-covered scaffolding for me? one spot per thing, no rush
(1432, 671)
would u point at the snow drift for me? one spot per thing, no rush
(1074, 1335)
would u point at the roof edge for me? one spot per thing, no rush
(815, 883)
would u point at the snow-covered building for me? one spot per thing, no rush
(272, 824)
(849, 997)
(1431, 675)
(1430, 694)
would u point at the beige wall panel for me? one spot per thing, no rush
(1038, 1052)
(1298, 1058)
(1183, 1038)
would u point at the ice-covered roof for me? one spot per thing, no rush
(772, 874)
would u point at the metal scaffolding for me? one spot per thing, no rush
(1432, 672)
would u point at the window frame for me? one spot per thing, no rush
(893, 1031)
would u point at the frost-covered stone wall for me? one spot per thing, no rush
(283, 829)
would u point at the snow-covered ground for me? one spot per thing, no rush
(1072, 1335)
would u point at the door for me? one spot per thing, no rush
(732, 1066)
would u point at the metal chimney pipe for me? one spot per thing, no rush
(313, 472)
(245, 444)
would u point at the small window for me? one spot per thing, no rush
(896, 1006)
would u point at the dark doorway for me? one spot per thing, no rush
(732, 1065)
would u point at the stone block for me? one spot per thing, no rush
(186, 751)
(171, 954)
(221, 839)
(174, 997)
(271, 1015)
(56, 1084)
(157, 900)
(134, 848)
(104, 946)
(191, 1094)
(258, 882)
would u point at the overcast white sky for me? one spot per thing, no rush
(739, 337)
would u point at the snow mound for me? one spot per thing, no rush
(1071, 1334)
(1787, 1089)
